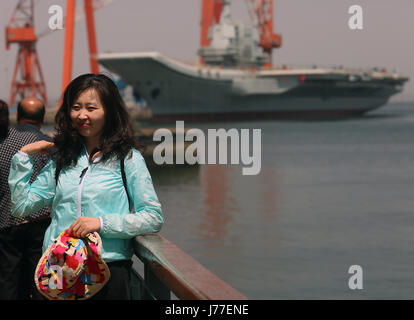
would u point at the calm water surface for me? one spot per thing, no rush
(330, 194)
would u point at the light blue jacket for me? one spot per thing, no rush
(98, 193)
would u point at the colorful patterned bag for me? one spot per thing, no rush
(72, 268)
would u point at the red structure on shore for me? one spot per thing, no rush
(260, 10)
(27, 76)
(69, 35)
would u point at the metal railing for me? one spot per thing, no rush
(168, 269)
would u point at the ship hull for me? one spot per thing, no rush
(176, 91)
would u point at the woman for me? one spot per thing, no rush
(83, 182)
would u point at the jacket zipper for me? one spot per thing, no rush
(82, 178)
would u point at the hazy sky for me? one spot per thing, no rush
(314, 32)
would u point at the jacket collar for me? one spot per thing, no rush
(86, 154)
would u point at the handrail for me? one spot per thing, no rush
(179, 272)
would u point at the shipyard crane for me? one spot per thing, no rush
(261, 11)
(90, 6)
(20, 30)
(210, 12)
(27, 76)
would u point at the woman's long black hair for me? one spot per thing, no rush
(117, 137)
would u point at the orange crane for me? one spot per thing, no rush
(210, 11)
(263, 11)
(90, 6)
(69, 35)
(20, 30)
(260, 10)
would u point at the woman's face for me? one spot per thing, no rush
(88, 115)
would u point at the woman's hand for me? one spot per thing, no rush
(84, 225)
(38, 147)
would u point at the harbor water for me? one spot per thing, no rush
(330, 195)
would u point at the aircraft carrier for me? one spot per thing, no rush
(233, 84)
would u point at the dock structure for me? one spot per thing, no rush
(168, 269)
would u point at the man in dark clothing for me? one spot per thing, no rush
(20, 239)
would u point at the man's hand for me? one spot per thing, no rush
(84, 225)
(38, 147)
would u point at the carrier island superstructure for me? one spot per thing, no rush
(233, 83)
